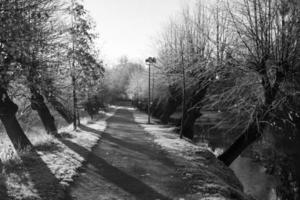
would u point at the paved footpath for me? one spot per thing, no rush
(126, 164)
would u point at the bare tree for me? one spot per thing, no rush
(267, 55)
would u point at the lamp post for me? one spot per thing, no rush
(149, 61)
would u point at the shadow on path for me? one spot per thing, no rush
(132, 146)
(130, 184)
(126, 164)
(45, 183)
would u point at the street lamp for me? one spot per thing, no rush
(149, 61)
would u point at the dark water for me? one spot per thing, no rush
(251, 173)
(250, 166)
(254, 179)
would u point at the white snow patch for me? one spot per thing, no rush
(166, 137)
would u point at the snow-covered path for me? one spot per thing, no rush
(127, 163)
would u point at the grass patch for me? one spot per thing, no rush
(45, 171)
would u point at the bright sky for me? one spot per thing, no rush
(129, 27)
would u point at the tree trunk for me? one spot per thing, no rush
(250, 135)
(187, 128)
(38, 104)
(172, 103)
(187, 125)
(78, 117)
(169, 109)
(183, 99)
(8, 110)
(61, 109)
(74, 102)
(296, 119)
(158, 110)
(153, 106)
(254, 130)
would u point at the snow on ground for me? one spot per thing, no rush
(46, 172)
(165, 136)
(209, 178)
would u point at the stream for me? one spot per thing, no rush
(254, 179)
(248, 167)
(251, 173)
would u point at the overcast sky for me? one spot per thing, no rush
(129, 27)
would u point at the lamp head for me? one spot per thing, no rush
(150, 60)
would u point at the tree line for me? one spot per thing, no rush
(46, 51)
(239, 58)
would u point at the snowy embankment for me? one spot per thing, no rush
(46, 171)
(209, 178)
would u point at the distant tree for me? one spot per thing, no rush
(85, 67)
(37, 51)
(118, 78)
(137, 85)
(185, 54)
